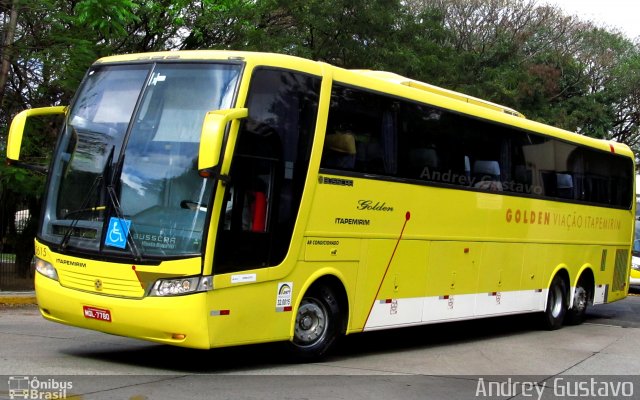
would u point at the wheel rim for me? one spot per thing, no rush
(556, 301)
(311, 323)
(580, 299)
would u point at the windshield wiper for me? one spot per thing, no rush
(85, 202)
(115, 206)
(108, 174)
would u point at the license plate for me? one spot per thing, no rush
(97, 313)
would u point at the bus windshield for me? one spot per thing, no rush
(124, 178)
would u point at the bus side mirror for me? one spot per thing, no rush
(16, 131)
(212, 136)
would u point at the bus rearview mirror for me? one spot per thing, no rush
(16, 131)
(212, 136)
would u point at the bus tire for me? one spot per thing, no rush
(575, 315)
(556, 309)
(317, 324)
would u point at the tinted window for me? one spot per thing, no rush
(361, 133)
(380, 135)
(268, 170)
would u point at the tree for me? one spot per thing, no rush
(45, 51)
(554, 68)
(10, 22)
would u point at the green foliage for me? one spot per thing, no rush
(107, 17)
(37, 145)
(552, 67)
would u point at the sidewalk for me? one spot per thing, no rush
(17, 298)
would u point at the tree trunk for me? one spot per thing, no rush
(7, 48)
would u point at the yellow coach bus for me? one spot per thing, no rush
(213, 198)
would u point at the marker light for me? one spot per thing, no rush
(180, 286)
(46, 269)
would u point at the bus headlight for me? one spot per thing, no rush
(46, 269)
(178, 286)
(635, 265)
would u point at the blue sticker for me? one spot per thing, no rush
(117, 232)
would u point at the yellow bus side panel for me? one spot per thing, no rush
(467, 254)
(247, 313)
(405, 278)
(264, 312)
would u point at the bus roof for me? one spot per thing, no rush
(395, 78)
(380, 76)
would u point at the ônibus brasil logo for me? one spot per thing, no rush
(24, 387)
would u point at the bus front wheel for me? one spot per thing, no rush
(317, 323)
(556, 304)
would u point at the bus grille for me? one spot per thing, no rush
(101, 285)
(620, 277)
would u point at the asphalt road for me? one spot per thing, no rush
(445, 361)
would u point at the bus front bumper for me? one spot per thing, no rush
(178, 320)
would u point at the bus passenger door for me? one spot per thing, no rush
(248, 210)
(268, 170)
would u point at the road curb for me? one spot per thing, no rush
(17, 298)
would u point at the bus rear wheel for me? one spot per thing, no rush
(576, 314)
(556, 309)
(317, 324)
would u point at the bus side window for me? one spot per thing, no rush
(564, 185)
(339, 150)
(486, 175)
(424, 162)
(247, 204)
(364, 135)
(522, 174)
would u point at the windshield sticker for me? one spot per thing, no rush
(158, 241)
(117, 232)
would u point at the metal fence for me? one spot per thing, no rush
(14, 274)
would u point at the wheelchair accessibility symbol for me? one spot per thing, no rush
(117, 233)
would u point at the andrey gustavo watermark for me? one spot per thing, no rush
(560, 387)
